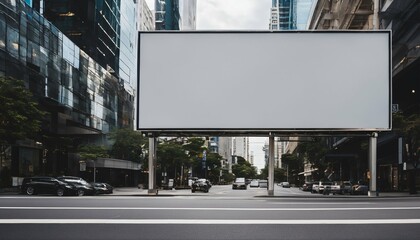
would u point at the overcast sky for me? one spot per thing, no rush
(234, 15)
(231, 14)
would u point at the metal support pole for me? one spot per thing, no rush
(271, 166)
(373, 140)
(152, 166)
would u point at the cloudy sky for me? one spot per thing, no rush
(234, 15)
(231, 14)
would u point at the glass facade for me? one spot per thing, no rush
(82, 98)
(283, 15)
(303, 8)
(167, 15)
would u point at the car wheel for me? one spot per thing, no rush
(60, 192)
(80, 192)
(30, 191)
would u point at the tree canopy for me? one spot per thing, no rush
(20, 116)
(128, 144)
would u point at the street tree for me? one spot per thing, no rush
(171, 158)
(20, 116)
(128, 144)
(244, 169)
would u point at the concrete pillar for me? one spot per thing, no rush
(152, 166)
(373, 140)
(271, 166)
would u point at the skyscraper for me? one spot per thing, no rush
(85, 97)
(146, 17)
(107, 31)
(283, 15)
(175, 14)
(188, 12)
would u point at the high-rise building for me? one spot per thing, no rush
(105, 29)
(146, 17)
(167, 15)
(84, 99)
(240, 147)
(283, 15)
(303, 9)
(188, 12)
(175, 14)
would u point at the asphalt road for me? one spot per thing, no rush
(221, 214)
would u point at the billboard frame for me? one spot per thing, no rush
(267, 131)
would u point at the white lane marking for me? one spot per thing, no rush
(210, 209)
(210, 221)
(321, 203)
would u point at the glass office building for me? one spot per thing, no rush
(283, 15)
(167, 15)
(290, 14)
(84, 99)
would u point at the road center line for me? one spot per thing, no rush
(211, 209)
(210, 221)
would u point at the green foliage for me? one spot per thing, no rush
(214, 166)
(20, 116)
(244, 169)
(92, 152)
(279, 174)
(314, 153)
(128, 144)
(171, 154)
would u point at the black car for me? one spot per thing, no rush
(102, 188)
(83, 187)
(201, 185)
(46, 185)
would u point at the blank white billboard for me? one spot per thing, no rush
(239, 82)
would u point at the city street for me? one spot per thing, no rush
(221, 214)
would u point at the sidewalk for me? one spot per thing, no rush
(134, 191)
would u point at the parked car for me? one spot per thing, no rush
(307, 186)
(254, 183)
(201, 185)
(361, 188)
(346, 187)
(315, 187)
(102, 188)
(284, 184)
(263, 183)
(83, 187)
(46, 185)
(239, 184)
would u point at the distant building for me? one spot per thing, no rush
(283, 15)
(240, 147)
(146, 18)
(290, 14)
(175, 14)
(188, 12)
(167, 15)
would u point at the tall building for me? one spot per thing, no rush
(84, 100)
(107, 31)
(175, 14)
(240, 147)
(167, 15)
(146, 17)
(188, 12)
(283, 15)
(303, 9)
(396, 165)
